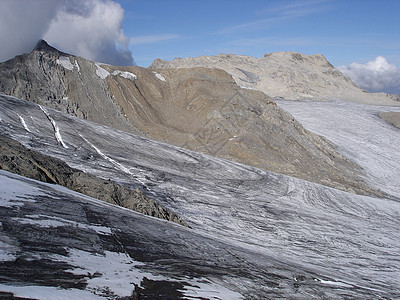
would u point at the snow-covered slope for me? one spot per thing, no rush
(361, 134)
(288, 75)
(254, 234)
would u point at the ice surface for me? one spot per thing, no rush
(361, 135)
(287, 229)
(108, 273)
(10, 188)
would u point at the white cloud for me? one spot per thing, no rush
(88, 28)
(374, 76)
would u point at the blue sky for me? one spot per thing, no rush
(344, 31)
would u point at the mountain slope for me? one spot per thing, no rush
(200, 109)
(288, 75)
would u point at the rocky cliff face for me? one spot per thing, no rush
(67, 83)
(288, 75)
(201, 109)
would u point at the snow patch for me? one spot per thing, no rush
(23, 123)
(102, 73)
(116, 271)
(65, 62)
(77, 66)
(120, 273)
(159, 76)
(56, 129)
(126, 75)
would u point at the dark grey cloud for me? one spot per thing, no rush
(375, 76)
(88, 28)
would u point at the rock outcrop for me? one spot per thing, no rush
(200, 109)
(18, 159)
(391, 117)
(288, 75)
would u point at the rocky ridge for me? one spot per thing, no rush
(17, 159)
(288, 75)
(200, 109)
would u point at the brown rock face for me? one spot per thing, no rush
(200, 109)
(391, 117)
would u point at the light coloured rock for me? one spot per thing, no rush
(288, 75)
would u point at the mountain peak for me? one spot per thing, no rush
(43, 46)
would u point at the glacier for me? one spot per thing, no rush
(253, 234)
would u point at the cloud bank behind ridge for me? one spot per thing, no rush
(88, 28)
(375, 76)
